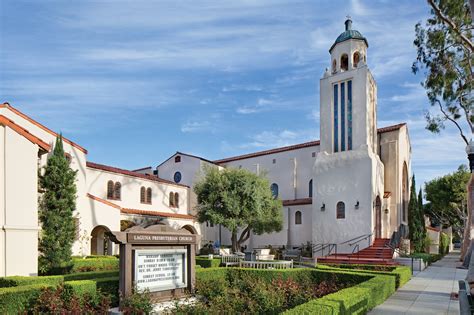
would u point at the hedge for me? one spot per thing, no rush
(358, 299)
(369, 288)
(14, 300)
(427, 258)
(205, 262)
(109, 286)
(95, 264)
(15, 281)
(402, 274)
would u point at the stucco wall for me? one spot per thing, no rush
(18, 204)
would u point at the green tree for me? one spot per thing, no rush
(446, 196)
(240, 201)
(414, 219)
(56, 207)
(445, 52)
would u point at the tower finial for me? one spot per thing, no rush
(348, 23)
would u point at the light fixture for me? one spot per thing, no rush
(357, 204)
(323, 207)
(386, 211)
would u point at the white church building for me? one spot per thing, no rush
(352, 182)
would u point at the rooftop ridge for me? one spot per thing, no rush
(294, 147)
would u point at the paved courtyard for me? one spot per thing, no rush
(428, 292)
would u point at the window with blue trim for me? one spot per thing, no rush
(349, 115)
(343, 116)
(336, 131)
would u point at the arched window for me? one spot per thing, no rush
(142, 195)
(310, 188)
(117, 191)
(334, 65)
(274, 189)
(344, 62)
(110, 189)
(340, 210)
(148, 195)
(298, 217)
(176, 200)
(355, 59)
(177, 159)
(171, 199)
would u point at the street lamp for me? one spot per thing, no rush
(470, 154)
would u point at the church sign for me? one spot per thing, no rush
(158, 259)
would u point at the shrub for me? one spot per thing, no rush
(443, 244)
(137, 303)
(95, 264)
(427, 258)
(67, 299)
(15, 281)
(109, 286)
(205, 262)
(15, 300)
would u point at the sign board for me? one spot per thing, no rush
(160, 269)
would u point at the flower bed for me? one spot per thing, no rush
(296, 291)
(18, 294)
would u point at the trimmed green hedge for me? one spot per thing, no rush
(109, 286)
(14, 300)
(369, 288)
(358, 299)
(15, 281)
(205, 262)
(402, 274)
(95, 264)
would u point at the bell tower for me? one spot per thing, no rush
(348, 96)
(349, 175)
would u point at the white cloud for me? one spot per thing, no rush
(195, 126)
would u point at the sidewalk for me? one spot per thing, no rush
(428, 292)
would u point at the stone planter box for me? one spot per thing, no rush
(418, 263)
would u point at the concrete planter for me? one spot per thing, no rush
(418, 263)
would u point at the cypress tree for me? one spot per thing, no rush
(421, 220)
(413, 216)
(56, 207)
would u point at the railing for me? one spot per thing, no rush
(266, 264)
(332, 247)
(358, 239)
(354, 249)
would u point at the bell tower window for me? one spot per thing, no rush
(344, 62)
(355, 59)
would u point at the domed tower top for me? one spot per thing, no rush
(349, 51)
(349, 33)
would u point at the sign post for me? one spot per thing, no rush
(159, 259)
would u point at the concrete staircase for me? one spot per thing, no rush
(376, 254)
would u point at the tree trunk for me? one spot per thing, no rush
(468, 225)
(235, 246)
(244, 236)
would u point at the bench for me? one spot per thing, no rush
(231, 260)
(291, 254)
(263, 254)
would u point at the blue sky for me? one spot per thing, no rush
(135, 81)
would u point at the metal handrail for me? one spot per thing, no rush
(322, 246)
(353, 250)
(362, 238)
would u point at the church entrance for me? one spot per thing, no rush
(378, 217)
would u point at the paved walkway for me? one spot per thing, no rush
(428, 292)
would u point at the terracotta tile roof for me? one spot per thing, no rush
(432, 228)
(34, 122)
(294, 147)
(23, 132)
(142, 212)
(157, 213)
(131, 173)
(266, 152)
(297, 202)
(387, 194)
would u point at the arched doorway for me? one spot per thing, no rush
(190, 228)
(405, 197)
(100, 243)
(378, 217)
